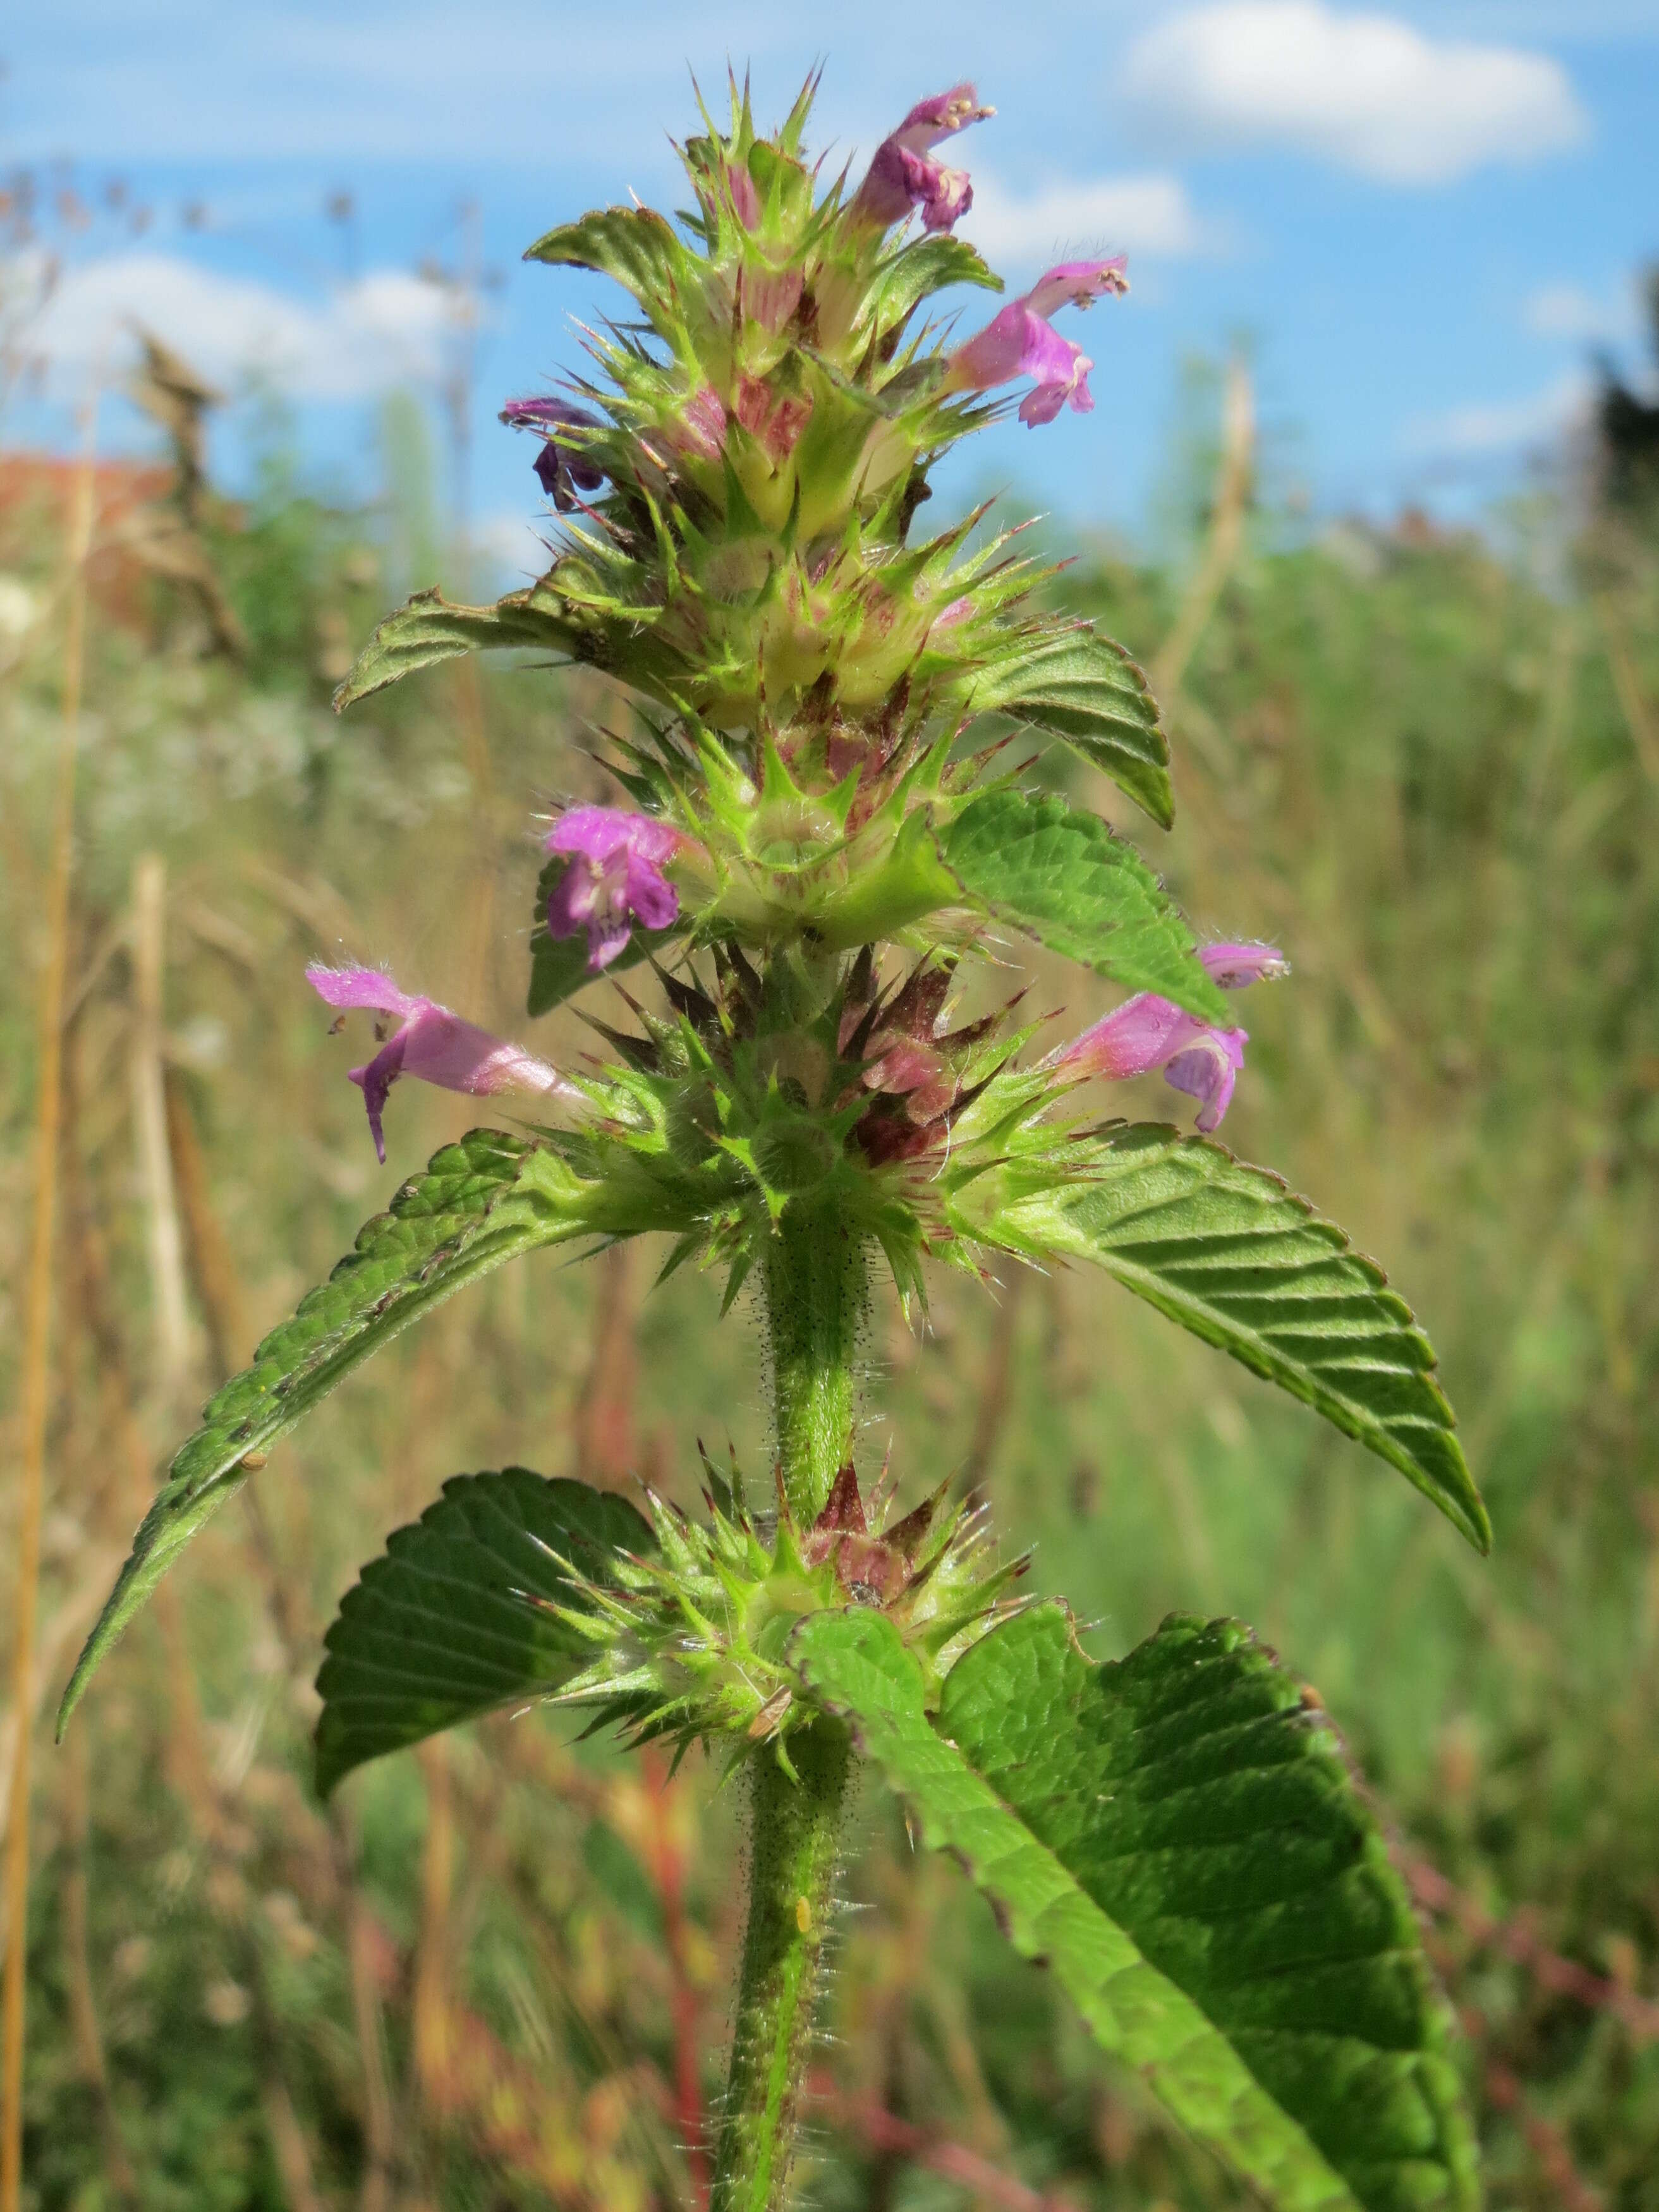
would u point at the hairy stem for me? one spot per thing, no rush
(816, 1290)
(797, 1832)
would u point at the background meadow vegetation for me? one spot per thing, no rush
(496, 1973)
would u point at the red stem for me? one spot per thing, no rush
(668, 1871)
(885, 2130)
(1521, 1944)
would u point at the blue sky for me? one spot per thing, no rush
(1422, 217)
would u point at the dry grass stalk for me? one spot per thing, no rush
(430, 2003)
(170, 1307)
(38, 1345)
(207, 1249)
(189, 1770)
(1232, 497)
(219, 1295)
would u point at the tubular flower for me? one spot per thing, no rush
(902, 175)
(1147, 1032)
(563, 470)
(615, 878)
(1021, 341)
(430, 1042)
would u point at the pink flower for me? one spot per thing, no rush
(902, 175)
(430, 1042)
(1021, 341)
(615, 877)
(1147, 1032)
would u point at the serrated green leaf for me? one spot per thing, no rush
(1194, 1830)
(1078, 888)
(559, 965)
(921, 268)
(1086, 689)
(431, 627)
(1210, 1812)
(478, 1202)
(1230, 1253)
(457, 1618)
(636, 245)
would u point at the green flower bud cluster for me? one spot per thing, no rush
(691, 1642)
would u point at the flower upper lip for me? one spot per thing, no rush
(1021, 341)
(902, 175)
(564, 467)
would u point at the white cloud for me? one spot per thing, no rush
(1498, 426)
(1367, 91)
(388, 327)
(1148, 213)
(1569, 312)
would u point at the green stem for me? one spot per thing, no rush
(794, 1857)
(816, 1292)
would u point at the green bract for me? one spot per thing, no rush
(833, 824)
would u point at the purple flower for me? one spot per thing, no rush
(1021, 341)
(615, 878)
(902, 175)
(1147, 1032)
(564, 469)
(428, 1041)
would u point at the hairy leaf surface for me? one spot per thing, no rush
(636, 245)
(920, 268)
(1087, 690)
(447, 1625)
(1061, 874)
(478, 1202)
(1179, 1839)
(1210, 1812)
(431, 627)
(1230, 1253)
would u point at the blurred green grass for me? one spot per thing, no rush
(1403, 755)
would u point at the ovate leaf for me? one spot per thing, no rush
(1208, 1809)
(1061, 874)
(457, 1618)
(430, 627)
(479, 1202)
(918, 270)
(1089, 691)
(1038, 1831)
(636, 245)
(1233, 1255)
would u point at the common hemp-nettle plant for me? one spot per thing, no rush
(820, 829)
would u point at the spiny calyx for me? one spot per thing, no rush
(692, 1642)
